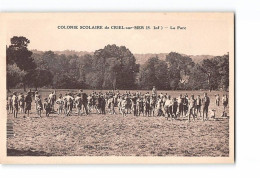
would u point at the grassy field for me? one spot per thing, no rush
(113, 135)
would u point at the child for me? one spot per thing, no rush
(159, 106)
(123, 107)
(10, 104)
(89, 99)
(146, 107)
(191, 108)
(38, 103)
(205, 106)
(225, 103)
(134, 101)
(47, 106)
(153, 105)
(217, 99)
(168, 107)
(70, 100)
(180, 105)
(28, 103)
(21, 102)
(212, 114)
(60, 103)
(15, 104)
(198, 106)
(84, 97)
(185, 105)
(174, 108)
(103, 105)
(78, 103)
(65, 103)
(52, 99)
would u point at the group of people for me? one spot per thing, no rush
(126, 103)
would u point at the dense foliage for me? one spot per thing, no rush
(113, 67)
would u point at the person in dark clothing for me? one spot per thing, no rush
(28, 103)
(47, 106)
(205, 106)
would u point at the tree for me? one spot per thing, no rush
(40, 78)
(179, 68)
(154, 73)
(114, 65)
(197, 79)
(223, 67)
(217, 71)
(17, 53)
(14, 75)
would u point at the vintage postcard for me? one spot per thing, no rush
(117, 88)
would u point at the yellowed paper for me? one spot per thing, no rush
(146, 35)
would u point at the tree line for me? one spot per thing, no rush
(113, 67)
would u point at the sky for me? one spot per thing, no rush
(205, 33)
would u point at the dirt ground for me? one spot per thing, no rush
(114, 135)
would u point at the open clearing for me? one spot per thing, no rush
(113, 135)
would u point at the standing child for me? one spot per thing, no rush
(159, 106)
(10, 104)
(174, 108)
(52, 99)
(60, 103)
(28, 103)
(185, 105)
(205, 106)
(180, 105)
(70, 100)
(89, 99)
(38, 103)
(78, 103)
(47, 106)
(84, 97)
(15, 104)
(198, 106)
(217, 99)
(123, 106)
(168, 107)
(21, 102)
(103, 105)
(191, 110)
(225, 104)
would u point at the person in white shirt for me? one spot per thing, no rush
(168, 107)
(78, 102)
(15, 104)
(69, 100)
(60, 103)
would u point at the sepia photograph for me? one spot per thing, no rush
(119, 87)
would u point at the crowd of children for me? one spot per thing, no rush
(114, 102)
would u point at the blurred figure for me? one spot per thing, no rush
(60, 104)
(198, 106)
(15, 104)
(225, 104)
(78, 103)
(217, 99)
(39, 106)
(47, 107)
(205, 106)
(28, 103)
(191, 110)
